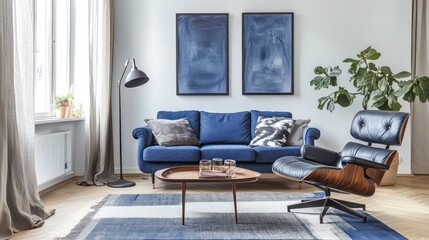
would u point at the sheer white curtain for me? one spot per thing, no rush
(99, 133)
(420, 67)
(20, 205)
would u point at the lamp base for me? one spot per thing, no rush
(121, 183)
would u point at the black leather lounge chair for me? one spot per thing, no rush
(358, 169)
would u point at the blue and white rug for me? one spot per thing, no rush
(211, 216)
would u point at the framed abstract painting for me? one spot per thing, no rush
(267, 53)
(202, 54)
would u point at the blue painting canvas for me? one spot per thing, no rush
(202, 54)
(267, 53)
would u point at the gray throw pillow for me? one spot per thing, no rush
(272, 132)
(296, 136)
(173, 132)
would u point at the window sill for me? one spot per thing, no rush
(56, 120)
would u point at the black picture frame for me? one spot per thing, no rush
(267, 53)
(202, 54)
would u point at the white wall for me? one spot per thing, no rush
(326, 32)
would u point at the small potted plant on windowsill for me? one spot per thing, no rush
(63, 105)
(378, 86)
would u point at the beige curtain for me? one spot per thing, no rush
(20, 205)
(99, 133)
(420, 67)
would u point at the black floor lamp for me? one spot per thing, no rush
(134, 78)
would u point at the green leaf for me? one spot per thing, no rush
(364, 52)
(404, 87)
(368, 79)
(371, 54)
(421, 93)
(372, 67)
(383, 85)
(365, 101)
(405, 83)
(385, 107)
(322, 101)
(319, 70)
(360, 74)
(424, 84)
(333, 81)
(410, 96)
(353, 68)
(402, 74)
(334, 72)
(392, 101)
(378, 100)
(317, 82)
(396, 106)
(330, 106)
(350, 60)
(385, 70)
(374, 55)
(344, 100)
(326, 82)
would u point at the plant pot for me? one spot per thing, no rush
(63, 111)
(390, 175)
(68, 111)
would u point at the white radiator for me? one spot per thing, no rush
(53, 152)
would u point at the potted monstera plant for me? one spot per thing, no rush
(63, 105)
(378, 86)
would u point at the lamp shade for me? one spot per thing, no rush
(135, 78)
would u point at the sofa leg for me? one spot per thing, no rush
(152, 176)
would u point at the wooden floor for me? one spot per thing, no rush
(404, 207)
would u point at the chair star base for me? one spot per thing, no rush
(328, 202)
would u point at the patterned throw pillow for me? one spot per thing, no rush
(173, 132)
(272, 132)
(296, 137)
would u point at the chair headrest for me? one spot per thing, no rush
(375, 126)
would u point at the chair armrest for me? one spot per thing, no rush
(310, 134)
(320, 155)
(365, 163)
(144, 135)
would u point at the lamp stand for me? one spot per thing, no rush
(121, 182)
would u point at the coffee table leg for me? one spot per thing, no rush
(183, 202)
(235, 201)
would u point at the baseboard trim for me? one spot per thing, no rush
(57, 185)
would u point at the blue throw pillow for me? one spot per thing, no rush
(225, 128)
(255, 114)
(192, 116)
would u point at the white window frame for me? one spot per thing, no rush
(51, 53)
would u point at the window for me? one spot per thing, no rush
(52, 47)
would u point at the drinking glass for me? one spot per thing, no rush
(205, 165)
(229, 166)
(217, 164)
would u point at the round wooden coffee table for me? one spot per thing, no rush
(185, 174)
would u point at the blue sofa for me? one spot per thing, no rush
(222, 135)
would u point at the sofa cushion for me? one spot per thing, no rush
(255, 114)
(296, 137)
(171, 154)
(192, 116)
(173, 132)
(271, 154)
(238, 152)
(225, 128)
(272, 131)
